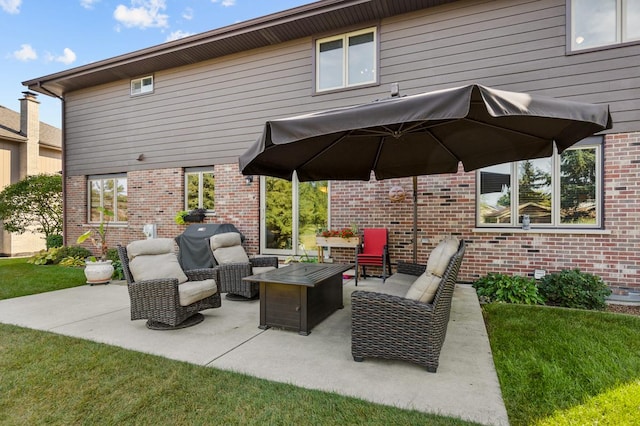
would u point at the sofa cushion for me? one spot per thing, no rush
(225, 239)
(156, 266)
(393, 289)
(441, 255)
(193, 291)
(424, 288)
(149, 247)
(261, 269)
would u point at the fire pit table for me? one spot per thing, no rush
(299, 296)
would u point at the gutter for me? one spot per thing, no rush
(62, 146)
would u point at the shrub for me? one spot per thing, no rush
(71, 261)
(56, 254)
(54, 241)
(496, 287)
(118, 274)
(575, 289)
(45, 257)
(72, 251)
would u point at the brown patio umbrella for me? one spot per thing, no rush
(423, 134)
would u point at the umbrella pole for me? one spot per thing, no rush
(415, 219)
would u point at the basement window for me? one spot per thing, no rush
(142, 85)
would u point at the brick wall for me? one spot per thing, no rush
(155, 196)
(446, 206)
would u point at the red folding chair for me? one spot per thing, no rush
(374, 252)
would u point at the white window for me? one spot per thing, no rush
(596, 23)
(199, 189)
(346, 60)
(108, 193)
(142, 85)
(561, 191)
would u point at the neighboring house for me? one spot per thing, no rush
(27, 147)
(160, 130)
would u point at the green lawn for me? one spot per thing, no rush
(19, 278)
(564, 366)
(556, 366)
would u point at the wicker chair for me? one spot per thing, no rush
(234, 264)
(393, 327)
(158, 300)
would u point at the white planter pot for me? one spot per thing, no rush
(99, 272)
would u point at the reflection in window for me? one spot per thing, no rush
(597, 23)
(200, 189)
(110, 193)
(495, 194)
(562, 190)
(578, 186)
(279, 214)
(534, 190)
(294, 214)
(338, 67)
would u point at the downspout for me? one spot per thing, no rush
(63, 171)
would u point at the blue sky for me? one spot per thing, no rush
(41, 37)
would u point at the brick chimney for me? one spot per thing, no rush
(30, 128)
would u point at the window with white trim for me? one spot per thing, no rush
(596, 23)
(199, 192)
(561, 191)
(346, 60)
(107, 193)
(142, 85)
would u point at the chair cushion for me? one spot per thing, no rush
(156, 266)
(225, 239)
(193, 291)
(424, 288)
(441, 255)
(150, 246)
(234, 254)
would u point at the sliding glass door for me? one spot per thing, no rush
(292, 213)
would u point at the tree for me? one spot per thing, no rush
(33, 204)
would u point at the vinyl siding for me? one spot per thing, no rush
(209, 113)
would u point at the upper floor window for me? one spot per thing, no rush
(346, 60)
(561, 191)
(596, 23)
(108, 193)
(142, 85)
(199, 188)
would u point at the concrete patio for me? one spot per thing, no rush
(465, 386)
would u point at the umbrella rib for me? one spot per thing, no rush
(493, 126)
(443, 146)
(324, 150)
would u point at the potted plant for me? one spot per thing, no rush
(184, 216)
(98, 271)
(345, 237)
(180, 217)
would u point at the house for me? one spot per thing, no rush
(27, 147)
(159, 130)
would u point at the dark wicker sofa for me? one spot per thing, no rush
(391, 326)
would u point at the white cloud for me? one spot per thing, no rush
(225, 3)
(188, 14)
(175, 35)
(11, 6)
(142, 14)
(68, 57)
(26, 53)
(88, 4)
